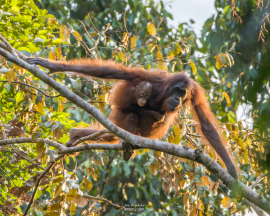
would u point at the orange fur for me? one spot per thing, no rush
(139, 121)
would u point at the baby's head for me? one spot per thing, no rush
(143, 92)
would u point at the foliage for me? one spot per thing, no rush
(233, 61)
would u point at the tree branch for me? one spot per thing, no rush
(29, 140)
(8, 47)
(259, 179)
(90, 137)
(105, 200)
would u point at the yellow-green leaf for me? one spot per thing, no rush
(58, 52)
(87, 184)
(234, 208)
(11, 75)
(41, 149)
(39, 108)
(52, 22)
(170, 56)
(186, 199)
(93, 34)
(125, 37)
(226, 202)
(77, 36)
(205, 181)
(227, 98)
(121, 56)
(55, 206)
(159, 58)
(153, 169)
(219, 63)
(52, 55)
(173, 66)
(229, 84)
(63, 28)
(193, 66)
(151, 28)
(178, 48)
(72, 209)
(132, 43)
(152, 46)
(64, 34)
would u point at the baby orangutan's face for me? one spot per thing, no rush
(143, 92)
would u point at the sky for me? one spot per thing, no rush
(184, 10)
(199, 11)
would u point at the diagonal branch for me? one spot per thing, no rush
(5, 47)
(9, 48)
(48, 168)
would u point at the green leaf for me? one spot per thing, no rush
(19, 96)
(253, 73)
(76, 84)
(38, 194)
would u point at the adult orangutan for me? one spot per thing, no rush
(169, 93)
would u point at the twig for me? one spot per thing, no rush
(259, 179)
(31, 87)
(190, 134)
(8, 176)
(90, 137)
(15, 151)
(9, 48)
(105, 200)
(188, 137)
(4, 46)
(125, 25)
(38, 181)
(192, 141)
(192, 124)
(89, 159)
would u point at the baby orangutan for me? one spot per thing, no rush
(142, 94)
